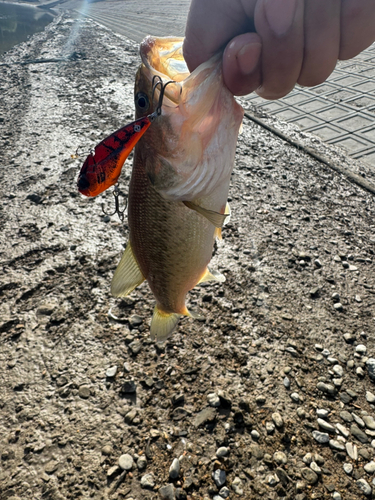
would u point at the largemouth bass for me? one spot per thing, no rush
(180, 180)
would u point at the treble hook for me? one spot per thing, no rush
(117, 211)
(157, 111)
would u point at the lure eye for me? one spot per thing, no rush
(142, 102)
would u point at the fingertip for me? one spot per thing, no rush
(241, 64)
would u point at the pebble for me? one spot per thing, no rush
(348, 337)
(358, 420)
(361, 349)
(174, 469)
(272, 480)
(142, 462)
(280, 458)
(282, 476)
(130, 416)
(301, 412)
(371, 368)
(135, 346)
(308, 458)
(213, 399)
(204, 416)
(135, 320)
(236, 486)
(111, 372)
(107, 450)
(322, 413)
(320, 437)
(219, 476)
(315, 467)
(148, 481)
(338, 306)
(336, 495)
(336, 445)
(296, 397)
(364, 487)
(344, 431)
(346, 416)
(352, 451)
(221, 452)
(286, 383)
(370, 397)
(326, 426)
(167, 492)
(260, 400)
(326, 388)
(360, 371)
(84, 391)
(338, 370)
(270, 427)
(309, 475)
(332, 361)
(369, 422)
(348, 468)
(126, 462)
(255, 434)
(370, 467)
(326, 353)
(360, 435)
(224, 492)
(277, 419)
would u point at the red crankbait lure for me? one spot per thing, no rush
(102, 168)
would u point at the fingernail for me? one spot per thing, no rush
(248, 57)
(280, 15)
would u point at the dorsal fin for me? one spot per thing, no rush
(127, 275)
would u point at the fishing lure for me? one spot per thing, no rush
(103, 166)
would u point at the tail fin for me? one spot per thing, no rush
(163, 324)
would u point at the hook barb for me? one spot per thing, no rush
(120, 213)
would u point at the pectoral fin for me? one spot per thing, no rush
(211, 275)
(127, 275)
(218, 229)
(215, 218)
(162, 324)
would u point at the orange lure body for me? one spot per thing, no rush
(103, 167)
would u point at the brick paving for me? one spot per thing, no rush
(341, 110)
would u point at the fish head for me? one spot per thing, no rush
(189, 149)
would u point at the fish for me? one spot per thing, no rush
(180, 179)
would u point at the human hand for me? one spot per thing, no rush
(270, 45)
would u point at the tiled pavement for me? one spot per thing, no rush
(341, 111)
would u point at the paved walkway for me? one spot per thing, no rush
(341, 110)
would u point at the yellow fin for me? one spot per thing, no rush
(127, 275)
(215, 218)
(227, 212)
(163, 324)
(211, 275)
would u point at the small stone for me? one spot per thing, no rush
(260, 400)
(346, 416)
(361, 349)
(236, 486)
(135, 320)
(84, 391)
(204, 416)
(332, 361)
(352, 268)
(360, 371)
(213, 399)
(370, 397)
(350, 364)
(338, 370)
(322, 413)
(167, 492)
(352, 451)
(326, 388)
(142, 462)
(270, 427)
(219, 476)
(338, 306)
(319, 347)
(221, 452)
(336, 496)
(280, 458)
(277, 420)
(301, 412)
(370, 467)
(148, 481)
(317, 263)
(309, 475)
(174, 469)
(128, 387)
(326, 426)
(296, 397)
(336, 445)
(344, 431)
(348, 468)
(224, 492)
(130, 416)
(107, 450)
(358, 298)
(371, 368)
(308, 458)
(255, 434)
(348, 337)
(286, 383)
(282, 476)
(256, 451)
(112, 470)
(315, 467)
(135, 347)
(320, 437)
(369, 422)
(364, 487)
(126, 462)
(111, 372)
(272, 480)
(360, 435)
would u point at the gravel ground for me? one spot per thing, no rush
(270, 396)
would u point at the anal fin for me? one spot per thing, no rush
(163, 324)
(127, 275)
(216, 218)
(211, 275)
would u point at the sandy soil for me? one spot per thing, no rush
(274, 346)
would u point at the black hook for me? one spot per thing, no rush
(157, 111)
(117, 211)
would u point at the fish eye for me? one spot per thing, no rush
(141, 100)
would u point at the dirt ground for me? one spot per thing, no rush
(233, 397)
